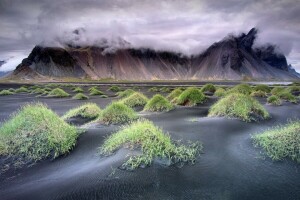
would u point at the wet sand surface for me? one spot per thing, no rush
(229, 168)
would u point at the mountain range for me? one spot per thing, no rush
(233, 58)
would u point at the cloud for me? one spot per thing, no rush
(185, 26)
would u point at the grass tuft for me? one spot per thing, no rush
(135, 99)
(78, 90)
(281, 142)
(174, 94)
(190, 97)
(241, 88)
(152, 141)
(6, 92)
(153, 89)
(115, 88)
(274, 100)
(21, 90)
(208, 88)
(158, 103)
(57, 92)
(36, 132)
(94, 92)
(126, 93)
(117, 113)
(220, 92)
(239, 106)
(87, 110)
(263, 88)
(258, 93)
(80, 96)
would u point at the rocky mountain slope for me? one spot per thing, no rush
(233, 58)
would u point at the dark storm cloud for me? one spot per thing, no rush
(187, 26)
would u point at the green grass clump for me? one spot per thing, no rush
(274, 100)
(294, 88)
(281, 142)
(11, 89)
(57, 92)
(78, 90)
(277, 90)
(93, 88)
(38, 91)
(174, 94)
(80, 96)
(135, 99)
(103, 96)
(241, 88)
(6, 92)
(263, 88)
(258, 93)
(87, 110)
(190, 97)
(158, 103)
(208, 88)
(287, 95)
(240, 106)
(115, 88)
(36, 132)
(220, 92)
(21, 90)
(153, 89)
(152, 141)
(117, 113)
(126, 93)
(95, 92)
(165, 89)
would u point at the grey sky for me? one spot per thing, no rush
(186, 26)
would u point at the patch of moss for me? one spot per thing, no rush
(35, 133)
(57, 92)
(281, 142)
(117, 113)
(190, 97)
(158, 103)
(274, 100)
(87, 110)
(239, 106)
(208, 88)
(135, 99)
(80, 96)
(153, 142)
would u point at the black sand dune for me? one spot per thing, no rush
(229, 168)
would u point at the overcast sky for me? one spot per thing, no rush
(186, 26)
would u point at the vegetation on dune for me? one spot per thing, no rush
(263, 88)
(125, 93)
(208, 88)
(152, 141)
(240, 88)
(57, 92)
(281, 142)
(274, 100)
(287, 95)
(190, 97)
(239, 106)
(36, 132)
(153, 89)
(93, 88)
(174, 94)
(258, 93)
(165, 89)
(103, 96)
(95, 92)
(11, 89)
(220, 92)
(6, 92)
(115, 88)
(21, 90)
(294, 88)
(78, 90)
(277, 90)
(38, 91)
(135, 99)
(158, 103)
(87, 110)
(117, 113)
(80, 96)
